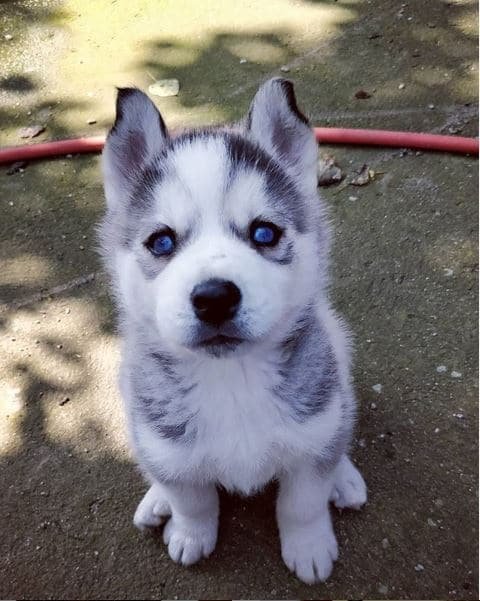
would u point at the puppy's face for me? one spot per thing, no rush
(213, 235)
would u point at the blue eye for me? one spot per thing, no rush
(263, 233)
(161, 243)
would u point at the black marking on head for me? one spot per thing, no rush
(282, 137)
(280, 189)
(124, 94)
(289, 92)
(309, 371)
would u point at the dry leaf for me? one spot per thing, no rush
(362, 95)
(363, 177)
(328, 172)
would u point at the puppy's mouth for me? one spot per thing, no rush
(220, 344)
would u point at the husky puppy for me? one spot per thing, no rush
(235, 368)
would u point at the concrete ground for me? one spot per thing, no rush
(405, 276)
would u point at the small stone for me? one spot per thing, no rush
(242, 61)
(81, 247)
(8, 37)
(91, 121)
(439, 502)
(362, 443)
(447, 272)
(459, 415)
(431, 523)
(373, 406)
(165, 87)
(95, 553)
(441, 369)
(455, 374)
(383, 589)
(419, 567)
(67, 311)
(385, 543)
(401, 86)
(431, 106)
(284, 69)
(64, 401)
(436, 431)
(32, 131)
(10, 202)
(377, 388)
(353, 199)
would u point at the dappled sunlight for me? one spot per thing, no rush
(453, 256)
(110, 46)
(257, 51)
(59, 366)
(24, 268)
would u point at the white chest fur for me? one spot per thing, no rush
(241, 433)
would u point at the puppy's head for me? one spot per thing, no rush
(215, 236)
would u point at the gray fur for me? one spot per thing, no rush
(246, 397)
(309, 370)
(158, 389)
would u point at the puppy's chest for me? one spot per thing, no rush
(238, 422)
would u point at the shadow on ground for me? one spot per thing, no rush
(405, 276)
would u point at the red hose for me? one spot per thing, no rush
(328, 135)
(51, 149)
(401, 139)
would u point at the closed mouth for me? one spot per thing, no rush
(222, 341)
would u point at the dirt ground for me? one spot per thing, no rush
(404, 275)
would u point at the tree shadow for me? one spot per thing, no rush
(74, 498)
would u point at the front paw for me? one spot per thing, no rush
(152, 510)
(190, 540)
(349, 489)
(309, 551)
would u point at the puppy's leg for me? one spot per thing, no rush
(349, 489)
(191, 532)
(152, 510)
(309, 546)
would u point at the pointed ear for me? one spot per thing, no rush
(138, 134)
(275, 122)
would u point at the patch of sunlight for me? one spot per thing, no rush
(23, 269)
(429, 76)
(451, 256)
(126, 43)
(57, 361)
(466, 86)
(257, 51)
(11, 411)
(97, 403)
(467, 23)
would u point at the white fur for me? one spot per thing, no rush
(239, 432)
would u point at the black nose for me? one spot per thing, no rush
(215, 300)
